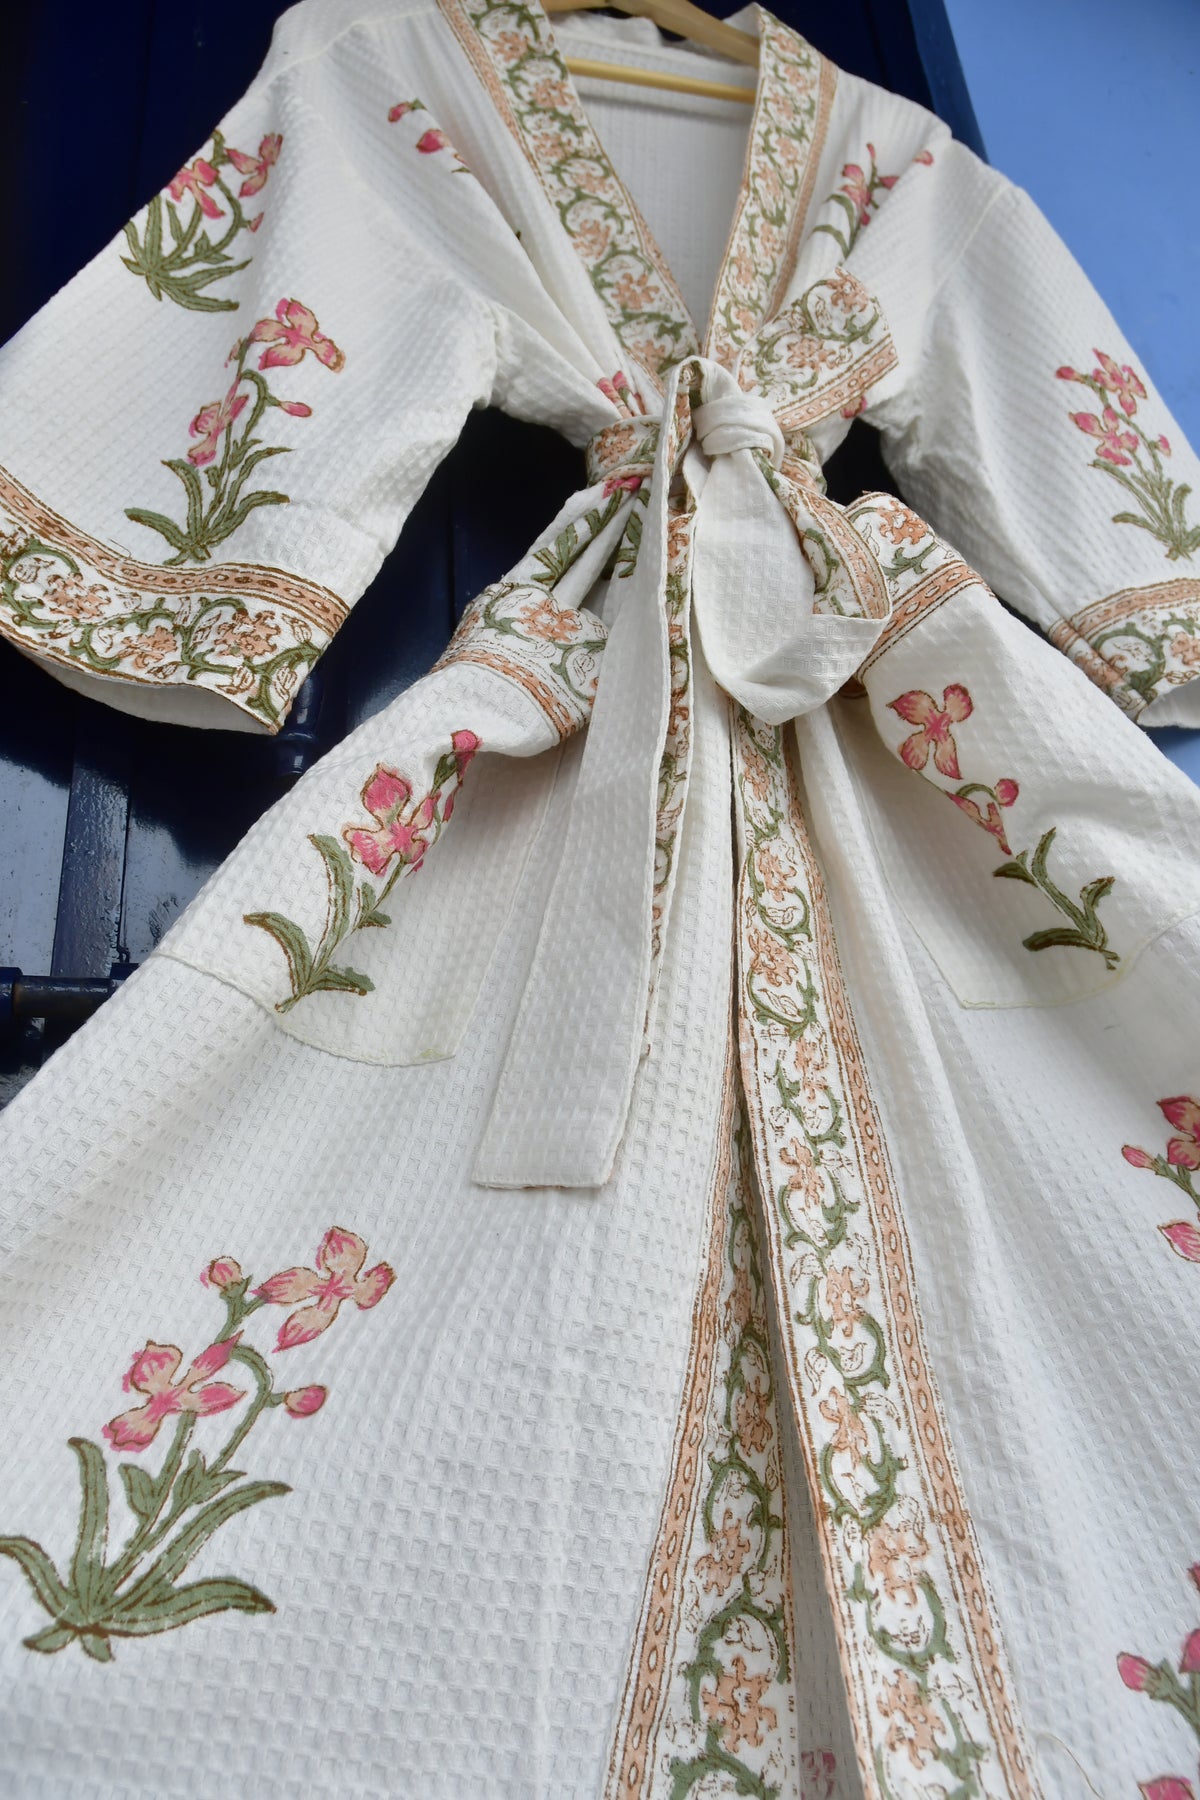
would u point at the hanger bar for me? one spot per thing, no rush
(684, 19)
(678, 84)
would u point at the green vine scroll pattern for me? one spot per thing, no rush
(934, 735)
(819, 1217)
(175, 255)
(744, 1588)
(139, 1591)
(395, 844)
(1178, 1166)
(1132, 456)
(229, 456)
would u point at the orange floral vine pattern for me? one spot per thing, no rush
(1178, 1165)
(934, 737)
(138, 1592)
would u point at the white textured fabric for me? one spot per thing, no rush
(650, 1213)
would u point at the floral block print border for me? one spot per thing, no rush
(1133, 456)
(248, 633)
(184, 242)
(1137, 644)
(707, 1696)
(137, 1589)
(516, 59)
(926, 1676)
(796, 89)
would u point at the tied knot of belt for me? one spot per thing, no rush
(770, 638)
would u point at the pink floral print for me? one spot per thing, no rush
(173, 252)
(256, 168)
(193, 179)
(1129, 454)
(214, 512)
(137, 1589)
(1084, 929)
(402, 831)
(1178, 1166)
(858, 199)
(292, 334)
(153, 1374)
(337, 1278)
(933, 727)
(1160, 1681)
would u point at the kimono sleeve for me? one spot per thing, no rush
(1026, 430)
(210, 438)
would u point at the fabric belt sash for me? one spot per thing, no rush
(760, 518)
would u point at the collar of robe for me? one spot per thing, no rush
(765, 544)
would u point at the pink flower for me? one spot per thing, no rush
(1006, 791)
(223, 1273)
(192, 179)
(1189, 1662)
(397, 832)
(296, 408)
(211, 423)
(1113, 441)
(924, 156)
(1119, 379)
(402, 108)
(1067, 373)
(465, 744)
(256, 168)
(432, 140)
(152, 1373)
(857, 191)
(921, 709)
(290, 333)
(336, 1278)
(302, 1402)
(1184, 1114)
(1184, 1239)
(1134, 1671)
(1140, 1159)
(630, 483)
(1164, 445)
(1167, 1787)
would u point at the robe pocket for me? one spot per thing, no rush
(1036, 840)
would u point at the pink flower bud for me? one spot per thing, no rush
(465, 744)
(1140, 1159)
(1194, 1572)
(1067, 373)
(1184, 1240)
(1164, 445)
(1006, 791)
(924, 156)
(1189, 1662)
(300, 1402)
(222, 1273)
(432, 140)
(254, 223)
(296, 408)
(1167, 1787)
(1134, 1671)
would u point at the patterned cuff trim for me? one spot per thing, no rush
(1138, 644)
(247, 633)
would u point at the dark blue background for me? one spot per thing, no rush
(109, 824)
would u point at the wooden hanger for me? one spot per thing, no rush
(685, 20)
